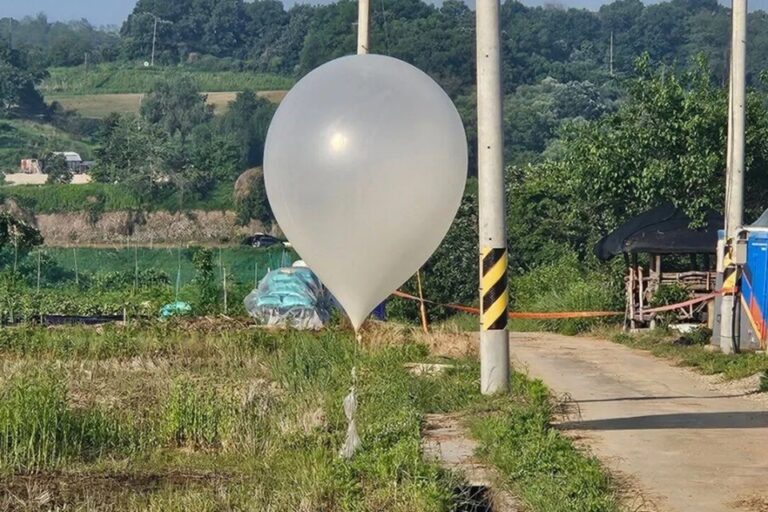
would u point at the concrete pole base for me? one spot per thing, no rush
(494, 362)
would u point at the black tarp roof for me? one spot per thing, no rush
(762, 221)
(662, 230)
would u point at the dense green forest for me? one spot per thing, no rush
(606, 113)
(540, 42)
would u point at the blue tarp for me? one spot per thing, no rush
(177, 308)
(292, 297)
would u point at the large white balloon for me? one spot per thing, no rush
(365, 164)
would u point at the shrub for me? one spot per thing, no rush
(566, 285)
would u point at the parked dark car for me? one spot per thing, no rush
(261, 240)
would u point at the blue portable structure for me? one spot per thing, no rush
(754, 291)
(751, 311)
(753, 332)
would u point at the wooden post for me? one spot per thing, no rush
(631, 298)
(641, 292)
(38, 271)
(422, 307)
(224, 270)
(77, 279)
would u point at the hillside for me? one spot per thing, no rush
(24, 139)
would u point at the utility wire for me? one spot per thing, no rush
(386, 30)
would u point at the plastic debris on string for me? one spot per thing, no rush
(290, 297)
(352, 441)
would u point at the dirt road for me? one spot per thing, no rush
(682, 444)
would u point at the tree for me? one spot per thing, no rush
(131, 152)
(246, 122)
(665, 143)
(57, 169)
(17, 233)
(18, 78)
(176, 106)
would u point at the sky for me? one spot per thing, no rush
(114, 12)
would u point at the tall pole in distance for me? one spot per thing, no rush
(734, 193)
(363, 15)
(494, 341)
(154, 38)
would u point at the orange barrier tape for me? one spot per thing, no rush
(515, 314)
(562, 315)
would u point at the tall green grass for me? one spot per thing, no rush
(563, 286)
(40, 430)
(196, 415)
(108, 78)
(539, 464)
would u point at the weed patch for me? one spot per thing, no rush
(691, 353)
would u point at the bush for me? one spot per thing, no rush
(566, 285)
(668, 294)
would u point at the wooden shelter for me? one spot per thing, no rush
(665, 233)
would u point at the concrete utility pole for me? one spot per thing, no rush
(363, 14)
(734, 198)
(610, 58)
(494, 340)
(154, 38)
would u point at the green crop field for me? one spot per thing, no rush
(241, 263)
(110, 79)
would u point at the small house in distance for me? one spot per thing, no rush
(664, 233)
(74, 161)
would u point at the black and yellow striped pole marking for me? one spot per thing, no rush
(493, 289)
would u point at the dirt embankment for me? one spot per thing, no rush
(144, 228)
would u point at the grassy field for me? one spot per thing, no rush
(219, 416)
(26, 139)
(100, 105)
(241, 263)
(110, 79)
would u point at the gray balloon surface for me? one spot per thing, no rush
(365, 164)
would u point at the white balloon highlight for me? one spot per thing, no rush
(365, 164)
